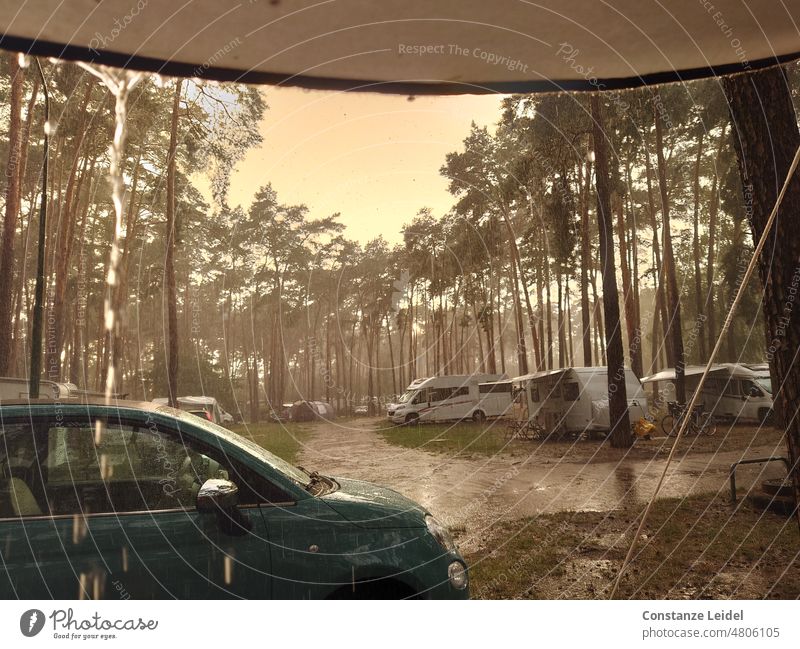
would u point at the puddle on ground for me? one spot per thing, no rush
(475, 493)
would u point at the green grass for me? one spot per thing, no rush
(284, 440)
(467, 437)
(697, 548)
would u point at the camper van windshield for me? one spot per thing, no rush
(406, 396)
(765, 382)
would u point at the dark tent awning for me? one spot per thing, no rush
(414, 46)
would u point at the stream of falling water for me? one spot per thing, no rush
(120, 82)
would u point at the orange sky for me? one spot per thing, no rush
(373, 158)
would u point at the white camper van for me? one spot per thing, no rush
(573, 400)
(731, 391)
(449, 398)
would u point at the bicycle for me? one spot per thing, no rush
(700, 422)
(527, 430)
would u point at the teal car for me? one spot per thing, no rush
(138, 500)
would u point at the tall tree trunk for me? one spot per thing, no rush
(711, 322)
(522, 353)
(540, 317)
(12, 209)
(412, 354)
(77, 370)
(549, 315)
(637, 304)
(401, 334)
(65, 240)
(631, 327)
(17, 349)
(586, 325)
(673, 296)
(766, 138)
(698, 280)
(501, 328)
(391, 354)
(562, 347)
(171, 293)
(621, 436)
(661, 300)
(597, 313)
(519, 278)
(568, 322)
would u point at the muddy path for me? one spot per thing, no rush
(471, 494)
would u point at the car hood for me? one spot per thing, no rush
(373, 506)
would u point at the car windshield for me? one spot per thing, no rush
(765, 382)
(406, 396)
(300, 477)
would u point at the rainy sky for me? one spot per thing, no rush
(374, 158)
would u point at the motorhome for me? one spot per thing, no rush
(731, 391)
(450, 398)
(573, 400)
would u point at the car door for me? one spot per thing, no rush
(754, 400)
(116, 518)
(425, 407)
(314, 550)
(732, 398)
(437, 404)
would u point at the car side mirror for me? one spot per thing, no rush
(217, 495)
(755, 392)
(221, 497)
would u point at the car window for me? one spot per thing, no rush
(732, 388)
(439, 394)
(534, 393)
(751, 388)
(82, 468)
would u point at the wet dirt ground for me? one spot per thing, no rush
(472, 494)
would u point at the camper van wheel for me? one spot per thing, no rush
(765, 417)
(412, 419)
(478, 416)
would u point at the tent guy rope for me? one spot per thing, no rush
(695, 398)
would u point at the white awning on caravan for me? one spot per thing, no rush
(414, 46)
(727, 369)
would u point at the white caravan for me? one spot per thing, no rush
(449, 398)
(731, 391)
(12, 388)
(208, 405)
(573, 399)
